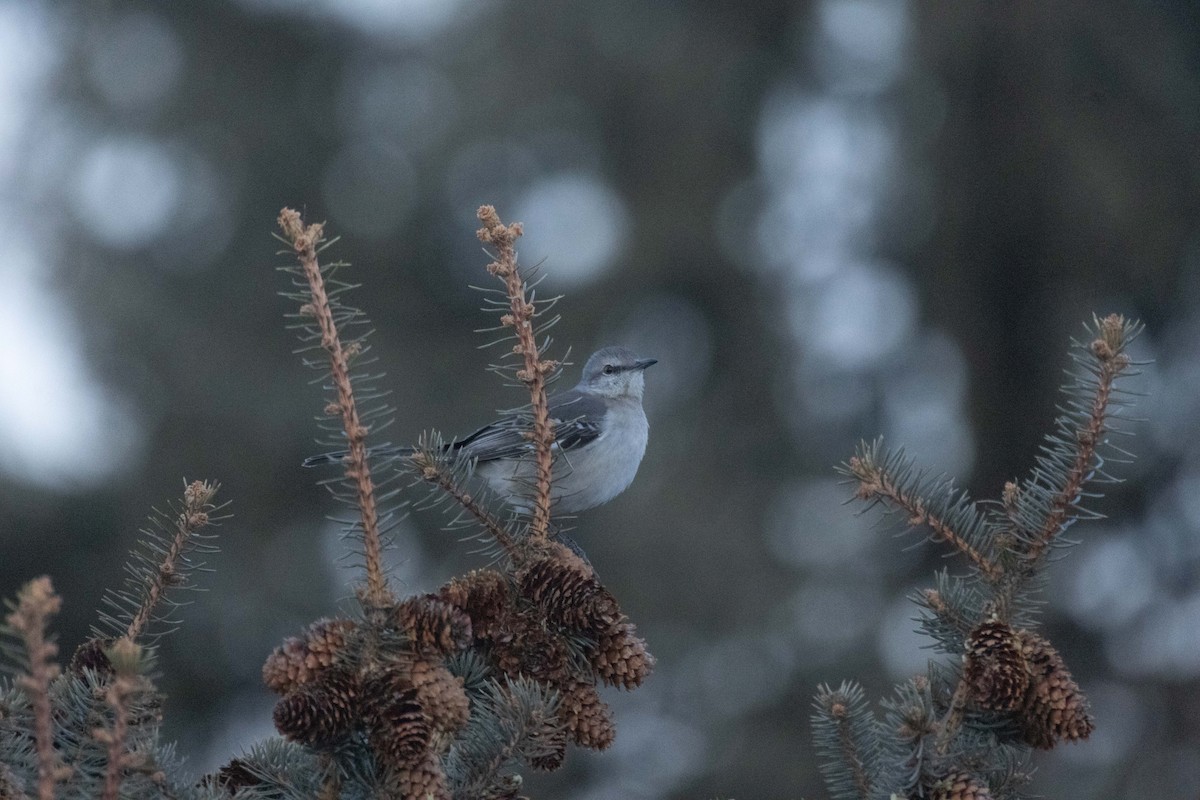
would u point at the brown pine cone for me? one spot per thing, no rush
(621, 658)
(549, 761)
(399, 730)
(533, 651)
(995, 667)
(960, 786)
(320, 713)
(287, 669)
(231, 777)
(325, 641)
(552, 745)
(441, 694)
(569, 595)
(1055, 708)
(482, 595)
(587, 717)
(91, 655)
(300, 659)
(423, 780)
(432, 624)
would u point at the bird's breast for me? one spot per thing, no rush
(600, 471)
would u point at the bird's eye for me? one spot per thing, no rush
(609, 369)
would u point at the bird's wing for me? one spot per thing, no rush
(575, 416)
(501, 439)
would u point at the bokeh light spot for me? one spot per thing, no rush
(575, 222)
(58, 427)
(857, 318)
(128, 189)
(860, 44)
(408, 19)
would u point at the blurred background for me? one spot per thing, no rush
(828, 220)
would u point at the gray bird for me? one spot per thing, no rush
(600, 433)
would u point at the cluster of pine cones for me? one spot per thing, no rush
(1019, 672)
(386, 678)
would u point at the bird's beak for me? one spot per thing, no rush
(642, 363)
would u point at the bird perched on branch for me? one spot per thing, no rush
(600, 434)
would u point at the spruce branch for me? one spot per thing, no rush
(951, 615)
(436, 473)
(908, 722)
(36, 603)
(125, 657)
(967, 730)
(514, 720)
(305, 241)
(952, 607)
(159, 566)
(845, 734)
(536, 369)
(1010, 500)
(331, 788)
(877, 482)
(273, 768)
(8, 784)
(1113, 333)
(952, 721)
(115, 739)
(192, 518)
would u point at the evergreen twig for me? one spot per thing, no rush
(875, 483)
(124, 656)
(115, 739)
(160, 566)
(36, 603)
(8, 783)
(952, 721)
(433, 472)
(305, 240)
(1108, 350)
(845, 736)
(536, 369)
(948, 614)
(966, 731)
(331, 788)
(517, 720)
(193, 517)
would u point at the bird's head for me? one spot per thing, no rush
(616, 372)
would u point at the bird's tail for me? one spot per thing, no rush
(383, 451)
